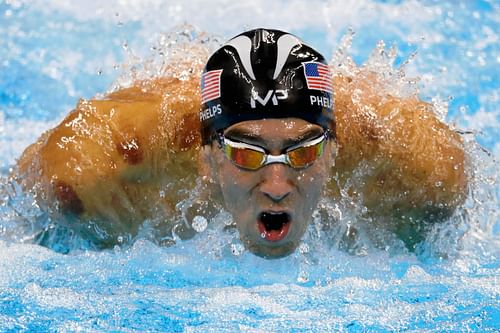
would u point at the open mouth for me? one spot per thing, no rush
(274, 226)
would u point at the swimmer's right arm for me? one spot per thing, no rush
(110, 159)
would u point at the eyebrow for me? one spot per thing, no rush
(243, 135)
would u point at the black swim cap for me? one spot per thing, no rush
(261, 74)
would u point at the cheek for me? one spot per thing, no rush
(312, 183)
(234, 184)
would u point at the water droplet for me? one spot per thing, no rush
(237, 249)
(200, 223)
(356, 96)
(303, 248)
(303, 277)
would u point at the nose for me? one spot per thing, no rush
(276, 184)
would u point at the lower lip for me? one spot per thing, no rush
(273, 235)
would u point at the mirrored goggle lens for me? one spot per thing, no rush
(302, 157)
(245, 157)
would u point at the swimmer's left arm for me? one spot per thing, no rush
(395, 155)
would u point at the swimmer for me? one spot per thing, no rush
(269, 132)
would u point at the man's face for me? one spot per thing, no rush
(271, 206)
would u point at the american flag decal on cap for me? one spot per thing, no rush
(210, 85)
(318, 76)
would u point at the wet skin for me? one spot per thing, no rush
(275, 189)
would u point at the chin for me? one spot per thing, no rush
(272, 252)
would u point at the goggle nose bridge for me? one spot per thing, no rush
(283, 158)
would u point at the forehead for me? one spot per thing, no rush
(274, 129)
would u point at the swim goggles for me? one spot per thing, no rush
(252, 157)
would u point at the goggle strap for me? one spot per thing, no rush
(310, 143)
(237, 144)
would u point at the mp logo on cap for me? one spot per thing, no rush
(273, 95)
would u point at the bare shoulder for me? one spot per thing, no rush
(109, 158)
(395, 155)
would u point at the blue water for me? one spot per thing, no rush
(54, 52)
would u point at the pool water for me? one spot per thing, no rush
(54, 52)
